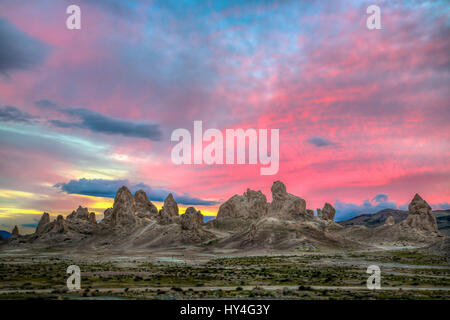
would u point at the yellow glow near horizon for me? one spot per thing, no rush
(98, 202)
(9, 212)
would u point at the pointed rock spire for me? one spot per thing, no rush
(92, 218)
(144, 207)
(15, 231)
(45, 220)
(169, 211)
(60, 225)
(285, 205)
(418, 205)
(191, 219)
(124, 207)
(170, 206)
(420, 215)
(327, 213)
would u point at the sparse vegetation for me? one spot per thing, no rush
(300, 276)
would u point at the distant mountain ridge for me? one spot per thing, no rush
(373, 220)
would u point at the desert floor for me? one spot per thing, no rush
(196, 273)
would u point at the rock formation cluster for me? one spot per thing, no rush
(420, 215)
(243, 221)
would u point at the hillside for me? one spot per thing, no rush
(373, 220)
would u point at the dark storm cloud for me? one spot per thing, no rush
(13, 114)
(444, 206)
(348, 210)
(18, 50)
(108, 189)
(47, 104)
(98, 122)
(320, 142)
(381, 197)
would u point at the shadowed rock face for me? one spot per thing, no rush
(418, 206)
(170, 206)
(77, 219)
(123, 210)
(92, 218)
(252, 204)
(144, 207)
(327, 213)
(15, 232)
(80, 213)
(60, 225)
(45, 219)
(169, 211)
(285, 205)
(191, 219)
(420, 215)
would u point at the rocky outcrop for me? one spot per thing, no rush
(280, 234)
(252, 204)
(418, 228)
(59, 226)
(244, 221)
(327, 213)
(15, 232)
(191, 219)
(91, 218)
(390, 221)
(81, 221)
(420, 216)
(123, 211)
(285, 205)
(169, 211)
(80, 213)
(144, 207)
(170, 206)
(45, 220)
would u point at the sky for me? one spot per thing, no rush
(363, 115)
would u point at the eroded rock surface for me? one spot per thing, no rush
(327, 213)
(252, 204)
(123, 210)
(45, 220)
(420, 215)
(191, 219)
(144, 207)
(15, 232)
(285, 205)
(169, 212)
